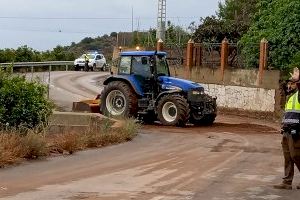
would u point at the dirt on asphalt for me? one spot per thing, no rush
(237, 158)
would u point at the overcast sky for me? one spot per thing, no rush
(44, 24)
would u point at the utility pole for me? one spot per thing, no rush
(132, 19)
(161, 20)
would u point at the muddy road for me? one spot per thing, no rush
(235, 159)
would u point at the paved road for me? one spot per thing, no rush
(235, 159)
(69, 86)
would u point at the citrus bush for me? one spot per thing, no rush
(22, 103)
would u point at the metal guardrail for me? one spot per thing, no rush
(38, 64)
(34, 65)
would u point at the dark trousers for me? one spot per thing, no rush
(291, 153)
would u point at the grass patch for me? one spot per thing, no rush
(11, 149)
(17, 145)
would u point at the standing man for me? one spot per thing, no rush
(86, 60)
(291, 135)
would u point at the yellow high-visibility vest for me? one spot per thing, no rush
(293, 104)
(292, 111)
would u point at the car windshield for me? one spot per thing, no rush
(162, 66)
(91, 56)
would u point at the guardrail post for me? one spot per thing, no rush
(66, 67)
(49, 78)
(32, 71)
(224, 57)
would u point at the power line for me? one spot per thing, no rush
(48, 31)
(91, 18)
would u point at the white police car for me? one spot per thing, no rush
(96, 61)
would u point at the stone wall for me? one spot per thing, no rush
(243, 98)
(240, 89)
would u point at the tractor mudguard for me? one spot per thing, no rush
(165, 93)
(130, 80)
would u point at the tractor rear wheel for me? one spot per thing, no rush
(118, 99)
(173, 110)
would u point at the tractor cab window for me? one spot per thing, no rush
(141, 66)
(125, 63)
(162, 66)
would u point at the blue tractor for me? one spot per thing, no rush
(143, 88)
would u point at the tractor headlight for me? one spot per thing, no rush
(197, 92)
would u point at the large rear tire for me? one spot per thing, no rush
(173, 110)
(118, 100)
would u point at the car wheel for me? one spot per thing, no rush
(104, 67)
(76, 67)
(94, 67)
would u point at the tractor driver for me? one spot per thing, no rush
(141, 67)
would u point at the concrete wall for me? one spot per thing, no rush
(240, 89)
(243, 98)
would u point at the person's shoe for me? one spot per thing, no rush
(283, 186)
(298, 187)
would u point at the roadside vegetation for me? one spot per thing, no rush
(24, 115)
(104, 43)
(247, 22)
(23, 104)
(17, 146)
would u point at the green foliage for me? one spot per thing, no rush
(22, 103)
(279, 22)
(239, 11)
(234, 17)
(211, 30)
(60, 53)
(176, 34)
(295, 61)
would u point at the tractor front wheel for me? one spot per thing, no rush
(173, 110)
(118, 100)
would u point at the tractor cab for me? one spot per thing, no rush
(144, 67)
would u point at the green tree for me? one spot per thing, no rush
(22, 103)
(7, 55)
(237, 11)
(176, 34)
(232, 21)
(279, 22)
(24, 54)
